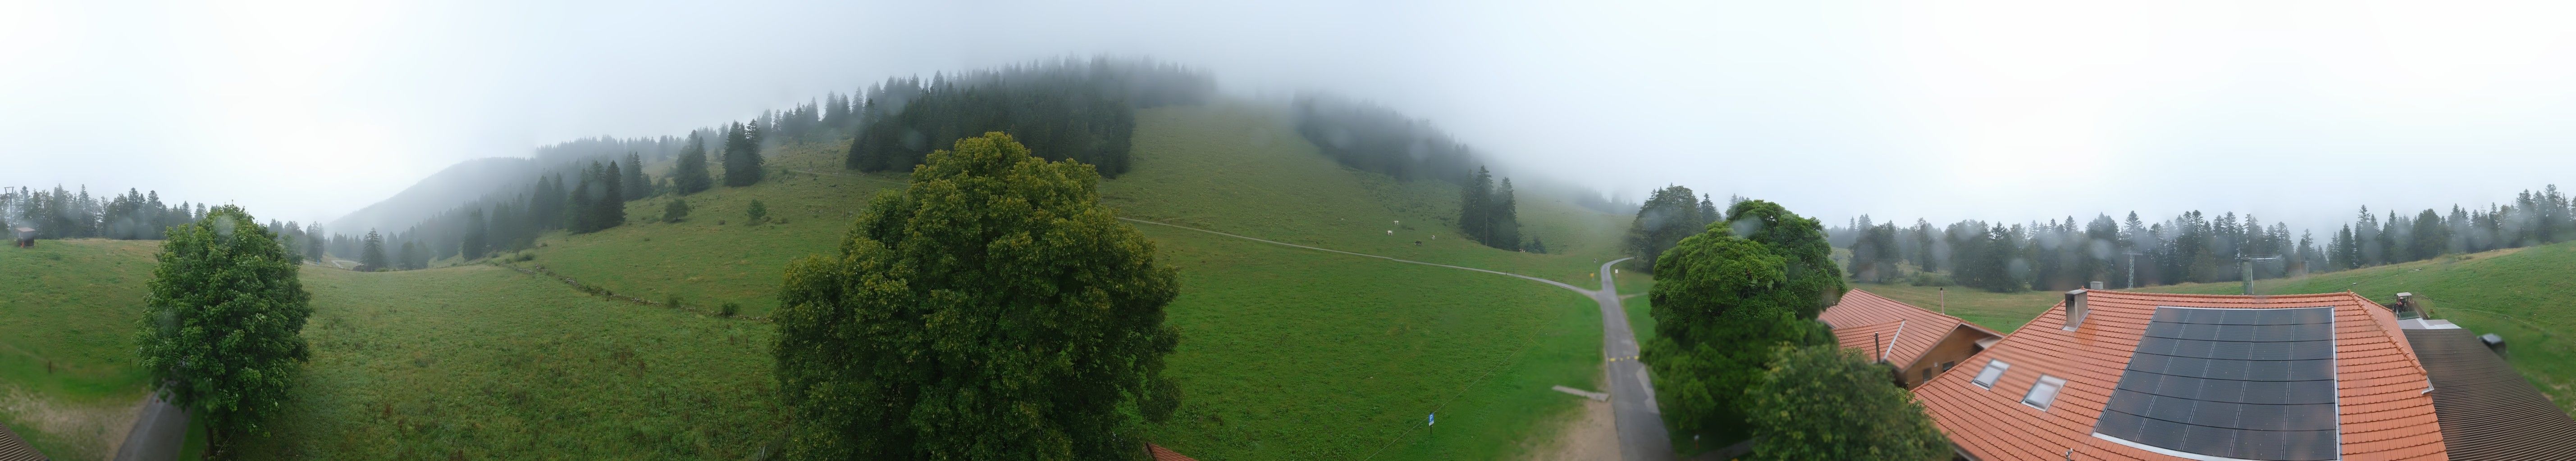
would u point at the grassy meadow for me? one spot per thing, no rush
(1297, 354)
(482, 362)
(69, 383)
(1286, 353)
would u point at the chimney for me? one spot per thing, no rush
(2075, 309)
(2097, 284)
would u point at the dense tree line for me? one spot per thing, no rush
(1078, 110)
(1668, 215)
(1487, 213)
(62, 214)
(2061, 254)
(1372, 138)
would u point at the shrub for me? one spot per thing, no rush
(676, 210)
(757, 211)
(673, 301)
(729, 309)
(1930, 279)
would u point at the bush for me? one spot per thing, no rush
(673, 301)
(1824, 402)
(729, 309)
(676, 210)
(1930, 279)
(757, 211)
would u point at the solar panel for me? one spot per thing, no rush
(2252, 384)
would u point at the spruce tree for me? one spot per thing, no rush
(742, 160)
(373, 256)
(612, 206)
(1501, 219)
(1474, 204)
(689, 173)
(410, 256)
(637, 185)
(478, 237)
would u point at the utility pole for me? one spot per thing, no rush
(2246, 263)
(2133, 269)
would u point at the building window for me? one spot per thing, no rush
(1945, 366)
(1994, 369)
(2044, 392)
(1927, 374)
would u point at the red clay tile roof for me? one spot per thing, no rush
(1164, 454)
(14, 449)
(2383, 411)
(1861, 313)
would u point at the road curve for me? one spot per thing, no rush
(1632, 395)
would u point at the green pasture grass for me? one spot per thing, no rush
(1241, 168)
(714, 256)
(68, 374)
(2003, 312)
(1289, 353)
(482, 362)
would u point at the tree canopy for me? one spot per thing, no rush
(993, 310)
(1668, 216)
(1827, 403)
(1722, 301)
(222, 322)
(1815, 282)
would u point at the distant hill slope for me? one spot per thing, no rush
(459, 183)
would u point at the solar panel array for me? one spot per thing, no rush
(2234, 383)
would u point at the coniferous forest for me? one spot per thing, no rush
(1079, 110)
(2064, 254)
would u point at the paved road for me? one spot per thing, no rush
(1632, 395)
(157, 432)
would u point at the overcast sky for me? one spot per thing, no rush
(2007, 111)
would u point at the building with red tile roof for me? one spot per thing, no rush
(1919, 343)
(1164, 454)
(2145, 376)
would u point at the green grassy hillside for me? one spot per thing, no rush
(1241, 168)
(1297, 354)
(482, 362)
(68, 378)
(1286, 354)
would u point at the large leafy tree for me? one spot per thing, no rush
(1815, 282)
(1827, 403)
(1723, 300)
(222, 322)
(994, 310)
